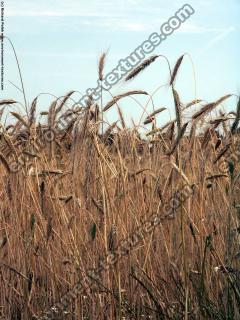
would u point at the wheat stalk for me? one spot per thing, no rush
(141, 67)
(179, 137)
(7, 101)
(154, 113)
(175, 70)
(178, 111)
(236, 121)
(20, 118)
(32, 112)
(209, 107)
(101, 65)
(120, 96)
(5, 162)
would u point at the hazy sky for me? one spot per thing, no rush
(58, 43)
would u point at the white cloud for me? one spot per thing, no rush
(221, 36)
(14, 13)
(57, 54)
(78, 8)
(189, 27)
(81, 8)
(116, 24)
(119, 15)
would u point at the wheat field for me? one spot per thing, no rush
(99, 222)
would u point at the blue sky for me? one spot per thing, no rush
(58, 43)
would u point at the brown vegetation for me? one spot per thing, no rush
(75, 197)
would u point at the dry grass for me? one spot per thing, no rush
(75, 198)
